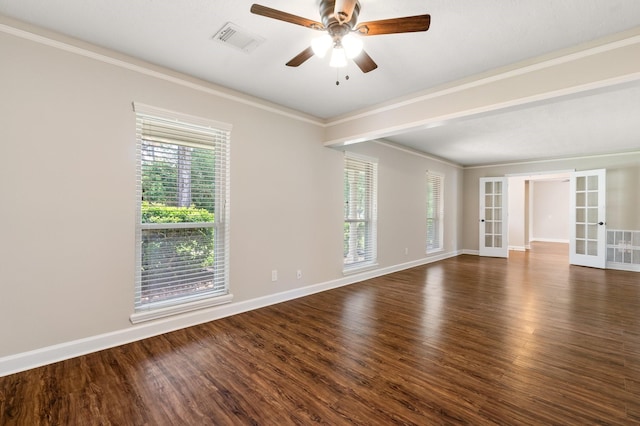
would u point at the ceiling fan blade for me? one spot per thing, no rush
(407, 24)
(286, 17)
(301, 57)
(364, 62)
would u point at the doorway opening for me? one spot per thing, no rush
(538, 207)
(501, 230)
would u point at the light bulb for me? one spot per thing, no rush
(338, 58)
(321, 45)
(352, 45)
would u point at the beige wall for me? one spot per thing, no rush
(67, 186)
(402, 202)
(550, 208)
(623, 186)
(517, 218)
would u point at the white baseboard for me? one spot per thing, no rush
(471, 252)
(517, 248)
(623, 266)
(50, 354)
(550, 240)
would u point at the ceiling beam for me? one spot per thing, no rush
(600, 64)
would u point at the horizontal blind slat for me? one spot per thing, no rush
(360, 189)
(182, 177)
(434, 211)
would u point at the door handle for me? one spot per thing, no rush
(481, 220)
(600, 223)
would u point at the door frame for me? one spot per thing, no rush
(588, 230)
(503, 220)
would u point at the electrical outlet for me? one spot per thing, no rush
(406, 250)
(299, 274)
(274, 275)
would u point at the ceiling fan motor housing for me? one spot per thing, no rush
(332, 23)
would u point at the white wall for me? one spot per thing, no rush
(550, 208)
(67, 186)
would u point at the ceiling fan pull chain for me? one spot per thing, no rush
(346, 77)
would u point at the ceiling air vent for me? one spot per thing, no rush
(234, 36)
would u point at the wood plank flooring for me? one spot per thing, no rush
(469, 340)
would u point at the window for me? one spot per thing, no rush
(435, 212)
(360, 211)
(182, 229)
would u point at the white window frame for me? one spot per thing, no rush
(220, 143)
(365, 214)
(435, 245)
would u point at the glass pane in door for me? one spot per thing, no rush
(488, 188)
(493, 219)
(588, 230)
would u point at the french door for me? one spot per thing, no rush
(587, 236)
(493, 224)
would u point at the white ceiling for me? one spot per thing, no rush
(466, 37)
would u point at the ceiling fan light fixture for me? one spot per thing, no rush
(339, 18)
(338, 57)
(321, 45)
(352, 45)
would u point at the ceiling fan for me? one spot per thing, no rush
(339, 20)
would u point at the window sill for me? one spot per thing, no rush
(152, 314)
(359, 268)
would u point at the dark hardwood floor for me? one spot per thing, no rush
(469, 340)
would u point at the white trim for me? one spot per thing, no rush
(167, 114)
(517, 248)
(360, 157)
(36, 358)
(471, 252)
(416, 153)
(152, 313)
(623, 267)
(533, 174)
(550, 240)
(434, 252)
(359, 268)
(549, 160)
(145, 70)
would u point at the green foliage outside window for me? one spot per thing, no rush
(159, 213)
(177, 187)
(197, 248)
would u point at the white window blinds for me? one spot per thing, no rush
(435, 211)
(183, 204)
(360, 211)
